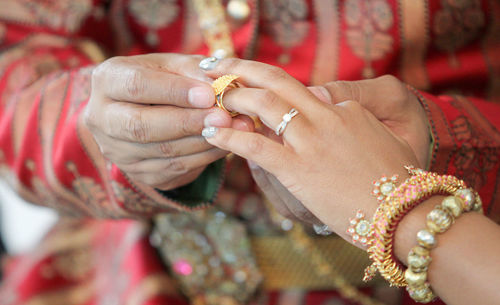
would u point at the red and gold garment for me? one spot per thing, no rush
(448, 49)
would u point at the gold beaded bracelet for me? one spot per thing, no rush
(395, 204)
(439, 220)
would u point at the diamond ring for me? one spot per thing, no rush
(286, 119)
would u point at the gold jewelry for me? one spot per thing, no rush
(439, 220)
(220, 86)
(323, 267)
(212, 20)
(393, 208)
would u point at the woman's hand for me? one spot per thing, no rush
(388, 99)
(330, 153)
(146, 113)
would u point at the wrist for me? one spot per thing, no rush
(414, 221)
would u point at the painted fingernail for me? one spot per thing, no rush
(209, 132)
(252, 164)
(213, 119)
(208, 63)
(200, 97)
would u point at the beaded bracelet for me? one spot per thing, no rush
(439, 220)
(395, 203)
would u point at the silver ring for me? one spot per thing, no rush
(286, 119)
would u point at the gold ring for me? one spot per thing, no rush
(220, 86)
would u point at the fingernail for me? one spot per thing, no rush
(252, 165)
(213, 119)
(200, 97)
(209, 132)
(208, 63)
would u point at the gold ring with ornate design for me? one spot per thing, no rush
(220, 86)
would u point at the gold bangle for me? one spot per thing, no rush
(420, 186)
(220, 85)
(439, 220)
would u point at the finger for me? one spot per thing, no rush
(181, 64)
(268, 154)
(243, 123)
(147, 124)
(321, 93)
(265, 104)
(259, 75)
(121, 80)
(382, 96)
(163, 169)
(260, 177)
(130, 152)
(171, 183)
(294, 205)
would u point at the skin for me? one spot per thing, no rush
(331, 152)
(146, 113)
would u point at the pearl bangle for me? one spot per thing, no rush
(439, 220)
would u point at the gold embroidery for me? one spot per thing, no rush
(286, 22)
(456, 24)
(491, 47)
(91, 193)
(154, 15)
(73, 264)
(133, 201)
(62, 14)
(367, 34)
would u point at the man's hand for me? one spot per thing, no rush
(146, 113)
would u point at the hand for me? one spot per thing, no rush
(390, 101)
(330, 153)
(399, 110)
(146, 113)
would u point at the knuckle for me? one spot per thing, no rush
(135, 83)
(230, 64)
(255, 145)
(137, 127)
(397, 89)
(269, 100)
(167, 149)
(276, 73)
(89, 117)
(354, 90)
(99, 74)
(187, 125)
(175, 166)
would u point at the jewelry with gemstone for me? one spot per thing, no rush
(208, 63)
(220, 85)
(399, 202)
(323, 230)
(287, 117)
(238, 9)
(360, 229)
(384, 186)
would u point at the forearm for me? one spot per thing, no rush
(465, 267)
